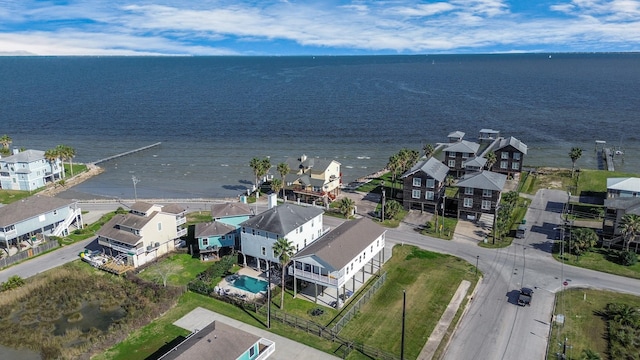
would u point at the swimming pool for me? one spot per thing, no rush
(247, 283)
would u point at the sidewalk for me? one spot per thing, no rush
(286, 349)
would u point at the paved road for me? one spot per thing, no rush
(494, 327)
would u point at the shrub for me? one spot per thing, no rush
(13, 282)
(627, 258)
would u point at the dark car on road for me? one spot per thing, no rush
(525, 296)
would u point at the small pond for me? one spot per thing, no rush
(91, 317)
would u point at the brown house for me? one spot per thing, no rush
(510, 154)
(456, 154)
(424, 184)
(479, 193)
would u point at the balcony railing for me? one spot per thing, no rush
(269, 348)
(308, 275)
(121, 249)
(181, 220)
(6, 235)
(182, 232)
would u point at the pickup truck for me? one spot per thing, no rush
(524, 299)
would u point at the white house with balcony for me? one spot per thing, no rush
(35, 216)
(339, 256)
(145, 233)
(310, 179)
(28, 170)
(301, 225)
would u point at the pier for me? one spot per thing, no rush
(126, 153)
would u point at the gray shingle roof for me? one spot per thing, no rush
(341, 245)
(29, 208)
(173, 209)
(463, 146)
(25, 156)
(456, 134)
(631, 205)
(519, 145)
(212, 229)
(282, 219)
(141, 206)
(432, 167)
(230, 209)
(486, 180)
(110, 230)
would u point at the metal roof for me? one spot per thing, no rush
(476, 161)
(432, 167)
(341, 245)
(283, 219)
(517, 144)
(26, 156)
(463, 146)
(486, 180)
(624, 184)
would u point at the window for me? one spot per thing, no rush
(504, 155)
(415, 194)
(371, 249)
(465, 155)
(159, 226)
(486, 204)
(417, 182)
(431, 183)
(451, 163)
(428, 195)
(252, 352)
(468, 202)
(487, 193)
(516, 156)
(468, 191)
(253, 231)
(205, 242)
(301, 228)
(451, 154)
(55, 212)
(515, 166)
(504, 164)
(263, 251)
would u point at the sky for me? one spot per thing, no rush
(320, 27)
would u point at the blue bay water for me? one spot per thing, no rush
(213, 114)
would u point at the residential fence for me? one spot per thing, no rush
(355, 307)
(27, 253)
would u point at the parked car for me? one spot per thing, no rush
(524, 299)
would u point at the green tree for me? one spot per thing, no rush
(394, 167)
(583, 239)
(5, 140)
(276, 185)
(491, 159)
(574, 155)
(428, 150)
(284, 250)
(67, 153)
(52, 155)
(511, 198)
(346, 206)
(283, 169)
(630, 228)
(260, 168)
(392, 209)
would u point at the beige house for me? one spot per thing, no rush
(311, 179)
(145, 233)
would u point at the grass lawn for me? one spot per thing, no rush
(429, 279)
(198, 217)
(445, 233)
(583, 328)
(598, 259)
(9, 196)
(184, 269)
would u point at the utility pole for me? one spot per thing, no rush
(135, 191)
(269, 295)
(477, 260)
(383, 200)
(404, 306)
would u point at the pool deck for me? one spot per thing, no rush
(231, 290)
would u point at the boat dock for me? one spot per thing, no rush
(126, 153)
(604, 156)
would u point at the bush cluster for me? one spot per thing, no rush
(205, 282)
(13, 282)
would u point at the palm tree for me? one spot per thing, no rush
(574, 154)
(391, 209)
(393, 166)
(283, 169)
(346, 206)
(276, 185)
(491, 159)
(67, 153)
(5, 140)
(630, 228)
(284, 250)
(583, 240)
(51, 156)
(428, 150)
(255, 164)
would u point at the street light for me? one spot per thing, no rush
(477, 259)
(135, 191)
(495, 216)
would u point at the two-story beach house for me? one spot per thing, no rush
(221, 236)
(145, 233)
(311, 179)
(220, 341)
(337, 257)
(301, 225)
(623, 197)
(28, 170)
(510, 153)
(623, 187)
(424, 184)
(24, 220)
(457, 153)
(479, 193)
